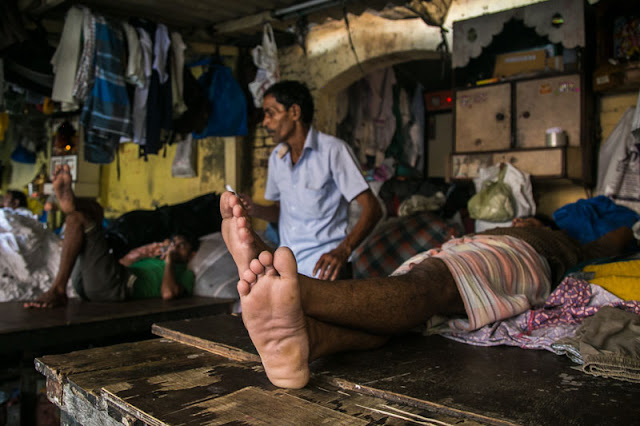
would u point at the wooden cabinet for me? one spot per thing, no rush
(507, 121)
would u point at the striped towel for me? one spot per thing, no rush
(497, 276)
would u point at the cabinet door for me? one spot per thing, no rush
(483, 118)
(545, 103)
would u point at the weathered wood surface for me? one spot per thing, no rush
(33, 329)
(161, 382)
(495, 383)
(226, 336)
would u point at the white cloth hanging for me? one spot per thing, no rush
(65, 59)
(265, 57)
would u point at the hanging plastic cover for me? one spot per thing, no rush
(228, 116)
(265, 57)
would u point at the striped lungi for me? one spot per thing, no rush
(497, 277)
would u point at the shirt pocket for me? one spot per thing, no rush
(313, 201)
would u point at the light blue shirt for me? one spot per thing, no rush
(314, 196)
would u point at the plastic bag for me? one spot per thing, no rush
(494, 202)
(184, 163)
(619, 164)
(265, 57)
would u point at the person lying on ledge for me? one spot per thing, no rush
(154, 270)
(293, 319)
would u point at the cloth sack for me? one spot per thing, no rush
(493, 202)
(265, 57)
(184, 162)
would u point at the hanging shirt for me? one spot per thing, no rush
(141, 94)
(84, 74)
(177, 76)
(65, 59)
(106, 113)
(134, 73)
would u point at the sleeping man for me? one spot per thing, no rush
(154, 270)
(293, 319)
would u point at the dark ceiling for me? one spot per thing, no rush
(232, 22)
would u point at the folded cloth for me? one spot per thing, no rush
(607, 344)
(620, 278)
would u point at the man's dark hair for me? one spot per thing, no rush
(18, 195)
(289, 92)
(193, 241)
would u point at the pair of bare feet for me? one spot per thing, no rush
(270, 298)
(57, 295)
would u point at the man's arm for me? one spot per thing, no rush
(330, 263)
(269, 213)
(170, 288)
(143, 252)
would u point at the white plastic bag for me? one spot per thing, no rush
(265, 57)
(521, 189)
(184, 163)
(619, 164)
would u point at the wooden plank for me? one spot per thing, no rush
(487, 384)
(505, 384)
(224, 335)
(84, 322)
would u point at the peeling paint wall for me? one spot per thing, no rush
(149, 184)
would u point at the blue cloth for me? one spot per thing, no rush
(106, 115)
(587, 220)
(314, 195)
(228, 115)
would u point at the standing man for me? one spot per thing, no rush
(312, 178)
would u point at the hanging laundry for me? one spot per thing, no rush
(177, 78)
(134, 73)
(86, 68)
(139, 116)
(160, 115)
(65, 60)
(228, 116)
(106, 115)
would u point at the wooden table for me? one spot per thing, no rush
(205, 371)
(27, 333)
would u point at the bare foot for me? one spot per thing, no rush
(63, 190)
(236, 231)
(50, 299)
(272, 313)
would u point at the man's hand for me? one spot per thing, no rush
(329, 264)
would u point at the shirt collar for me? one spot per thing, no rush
(311, 142)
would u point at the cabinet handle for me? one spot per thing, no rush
(526, 114)
(499, 116)
(478, 142)
(513, 160)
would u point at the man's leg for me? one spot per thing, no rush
(75, 223)
(293, 319)
(284, 336)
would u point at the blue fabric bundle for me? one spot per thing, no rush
(588, 220)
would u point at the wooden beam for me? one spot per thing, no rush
(243, 24)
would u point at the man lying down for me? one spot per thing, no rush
(293, 319)
(153, 270)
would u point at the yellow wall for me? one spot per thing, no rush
(147, 185)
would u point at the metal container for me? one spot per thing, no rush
(555, 137)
